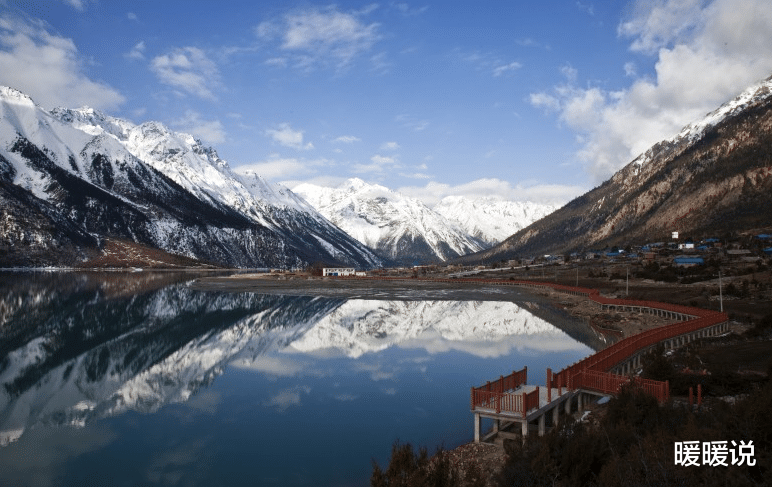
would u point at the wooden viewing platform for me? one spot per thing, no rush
(509, 400)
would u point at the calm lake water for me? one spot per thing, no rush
(137, 379)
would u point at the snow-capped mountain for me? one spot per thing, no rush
(713, 178)
(491, 220)
(69, 178)
(400, 228)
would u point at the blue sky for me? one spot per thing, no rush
(523, 100)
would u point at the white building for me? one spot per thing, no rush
(338, 271)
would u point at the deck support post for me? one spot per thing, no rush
(541, 424)
(524, 429)
(549, 385)
(477, 427)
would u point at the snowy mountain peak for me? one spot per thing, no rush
(355, 184)
(491, 219)
(400, 228)
(754, 93)
(693, 131)
(85, 174)
(12, 95)
(93, 121)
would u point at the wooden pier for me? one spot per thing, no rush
(509, 400)
(518, 408)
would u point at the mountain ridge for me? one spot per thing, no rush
(714, 177)
(399, 228)
(408, 231)
(81, 176)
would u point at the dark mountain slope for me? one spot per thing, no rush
(713, 178)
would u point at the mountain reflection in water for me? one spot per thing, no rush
(76, 347)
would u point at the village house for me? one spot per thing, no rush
(338, 271)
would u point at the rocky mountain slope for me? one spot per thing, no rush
(69, 179)
(714, 177)
(396, 227)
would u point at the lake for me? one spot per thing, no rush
(116, 378)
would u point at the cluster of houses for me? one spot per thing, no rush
(682, 254)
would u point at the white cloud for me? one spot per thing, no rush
(76, 4)
(390, 146)
(131, 16)
(277, 167)
(188, 69)
(415, 175)
(487, 62)
(324, 181)
(383, 160)
(286, 398)
(278, 62)
(137, 52)
(549, 102)
(284, 135)
(407, 11)
(209, 131)
(278, 366)
(344, 397)
(505, 68)
(658, 23)
(378, 164)
(321, 36)
(347, 139)
(706, 53)
(589, 8)
(48, 67)
(380, 64)
(274, 168)
(411, 122)
(433, 192)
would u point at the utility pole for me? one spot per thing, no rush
(627, 284)
(720, 292)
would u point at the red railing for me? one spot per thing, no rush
(531, 400)
(578, 374)
(592, 372)
(508, 383)
(608, 383)
(498, 396)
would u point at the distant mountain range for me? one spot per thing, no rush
(397, 227)
(712, 179)
(491, 220)
(75, 182)
(407, 231)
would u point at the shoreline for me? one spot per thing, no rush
(612, 325)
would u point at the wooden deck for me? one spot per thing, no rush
(509, 400)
